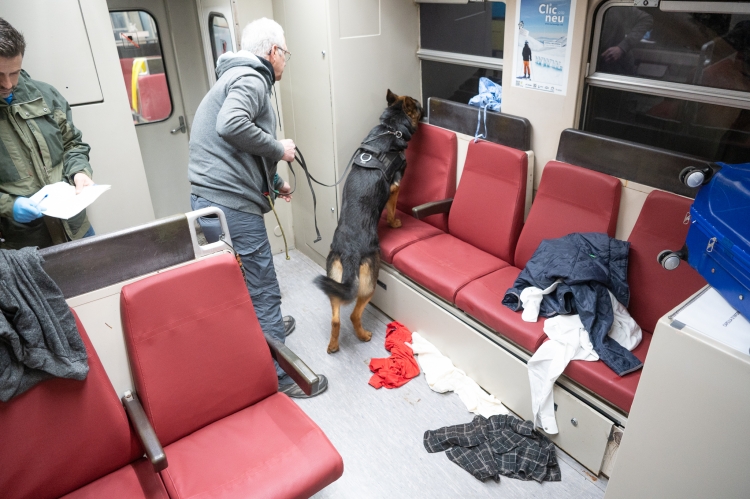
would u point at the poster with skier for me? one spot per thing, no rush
(542, 58)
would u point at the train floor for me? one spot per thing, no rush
(379, 432)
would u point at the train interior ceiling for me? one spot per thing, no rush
(593, 140)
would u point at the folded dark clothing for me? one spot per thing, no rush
(500, 445)
(38, 334)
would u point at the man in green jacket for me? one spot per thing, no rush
(39, 145)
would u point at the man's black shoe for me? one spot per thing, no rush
(296, 392)
(289, 324)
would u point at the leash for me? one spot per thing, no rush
(310, 179)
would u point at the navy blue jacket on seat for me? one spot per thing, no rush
(588, 265)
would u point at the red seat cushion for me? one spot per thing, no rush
(482, 300)
(411, 231)
(271, 449)
(654, 291)
(126, 65)
(153, 92)
(196, 349)
(570, 199)
(63, 434)
(444, 264)
(600, 379)
(430, 171)
(134, 481)
(487, 211)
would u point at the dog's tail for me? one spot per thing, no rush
(346, 290)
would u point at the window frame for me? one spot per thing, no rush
(211, 16)
(164, 62)
(684, 91)
(474, 61)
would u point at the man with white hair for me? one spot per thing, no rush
(233, 156)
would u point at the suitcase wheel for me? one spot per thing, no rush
(669, 259)
(694, 177)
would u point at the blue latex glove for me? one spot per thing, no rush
(25, 210)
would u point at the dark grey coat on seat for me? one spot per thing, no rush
(38, 334)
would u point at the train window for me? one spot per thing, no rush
(458, 44)
(697, 49)
(139, 49)
(454, 82)
(700, 129)
(219, 34)
(473, 28)
(675, 80)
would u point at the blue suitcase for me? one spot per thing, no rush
(718, 241)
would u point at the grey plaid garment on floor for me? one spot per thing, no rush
(500, 445)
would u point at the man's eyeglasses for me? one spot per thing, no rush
(287, 54)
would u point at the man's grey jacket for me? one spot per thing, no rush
(234, 130)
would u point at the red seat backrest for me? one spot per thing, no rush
(63, 434)
(430, 171)
(487, 211)
(196, 349)
(654, 291)
(127, 74)
(570, 199)
(154, 97)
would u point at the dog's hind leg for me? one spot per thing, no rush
(333, 345)
(335, 272)
(368, 276)
(390, 214)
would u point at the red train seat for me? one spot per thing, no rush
(569, 199)
(126, 65)
(204, 374)
(64, 434)
(653, 291)
(153, 94)
(430, 176)
(484, 222)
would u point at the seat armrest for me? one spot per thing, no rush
(145, 431)
(433, 208)
(293, 366)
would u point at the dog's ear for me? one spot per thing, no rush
(390, 97)
(410, 108)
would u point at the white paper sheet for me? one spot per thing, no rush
(713, 316)
(61, 201)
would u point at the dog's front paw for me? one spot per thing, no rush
(364, 335)
(394, 224)
(333, 348)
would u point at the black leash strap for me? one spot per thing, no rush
(310, 179)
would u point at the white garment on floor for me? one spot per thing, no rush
(569, 340)
(531, 300)
(442, 376)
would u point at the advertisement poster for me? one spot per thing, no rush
(542, 58)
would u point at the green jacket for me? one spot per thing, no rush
(39, 145)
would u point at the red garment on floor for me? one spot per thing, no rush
(401, 366)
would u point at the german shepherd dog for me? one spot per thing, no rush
(354, 260)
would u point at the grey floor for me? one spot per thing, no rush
(379, 432)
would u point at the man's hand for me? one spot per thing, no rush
(612, 54)
(288, 150)
(284, 192)
(25, 210)
(82, 180)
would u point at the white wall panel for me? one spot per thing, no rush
(57, 46)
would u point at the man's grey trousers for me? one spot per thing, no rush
(250, 241)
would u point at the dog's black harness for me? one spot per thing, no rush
(388, 163)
